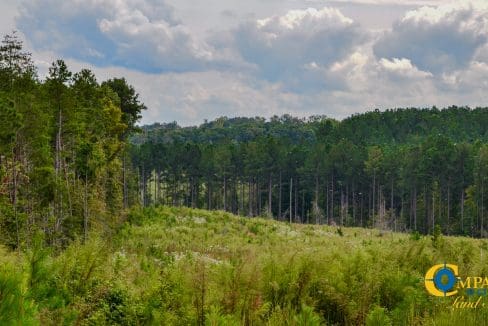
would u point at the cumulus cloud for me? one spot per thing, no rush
(297, 47)
(437, 39)
(139, 34)
(301, 62)
(402, 68)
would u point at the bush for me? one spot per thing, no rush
(15, 307)
(378, 317)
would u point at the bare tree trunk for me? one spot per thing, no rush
(327, 199)
(462, 210)
(258, 198)
(14, 196)
(209, 195)
(426, 212)
(279, 200)
(158, 180)
(270, 195)
(296, 198)
(225, 192)
(370, 215)
(144, 202)
(342, 207)
(361, 216)
(448, 207)
(332, 199)
(374, 191)
(433, 211)
(392, 207)
(482, 207)
(85, 208)
(242, 199)
(415, 207)
(155, 198)
(316, 201)
(250, 213)
(353, 205)
(290, 208)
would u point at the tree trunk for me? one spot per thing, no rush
(258, 198)
(296, 198)
(332, 199)
(327, 200)
(342, 207)
(448, 207)
(279, 199)
(392, 207)
(250, 213)
(14, 198)
(225, 192)
(316, 202)
(242, 199)
(270, 196)
(353, 205)
(124, 180)
(482, 207)
(158, 181)
(374, 191)
(85, 208)
(415, 207)
(433, 211)
(462, 210)
(209, 195)
(361, 216)
(290, 208)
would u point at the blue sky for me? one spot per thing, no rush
(192, 60)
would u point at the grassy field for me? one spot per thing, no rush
(177, 266)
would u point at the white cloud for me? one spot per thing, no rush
(140, 34)
(437, 39)
(292, 60)
(403, 68)
(285, 48)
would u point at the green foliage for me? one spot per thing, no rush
(68, 174)
(403, 169)
(62, 143)
(16, 308)
(181, 266)
(415, 235)
(340, 232)
(307, 317)
(436, 236)
(378, 317)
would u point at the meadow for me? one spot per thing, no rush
(181, 266)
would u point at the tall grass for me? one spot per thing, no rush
(178, 266)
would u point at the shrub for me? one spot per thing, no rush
(378, 317)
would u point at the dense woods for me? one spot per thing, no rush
(403, 169)
(62, 149)
(73, 158)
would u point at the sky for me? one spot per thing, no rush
(192, 60)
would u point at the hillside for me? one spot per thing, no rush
(178, 266)
(403, 169)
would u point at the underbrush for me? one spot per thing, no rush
(178, 266)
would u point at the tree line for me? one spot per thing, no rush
(63, 149)
(402, 169)
(72, 158)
